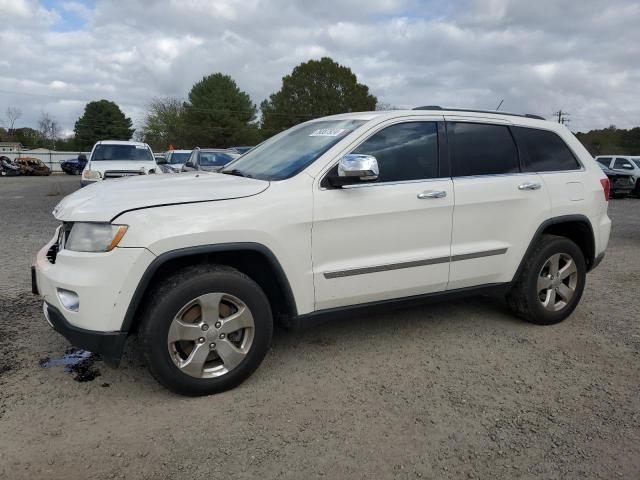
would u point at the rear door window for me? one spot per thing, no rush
(481, 149)
(544, 151)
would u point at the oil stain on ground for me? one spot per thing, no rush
(79, 363)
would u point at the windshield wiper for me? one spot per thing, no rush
(237, 173)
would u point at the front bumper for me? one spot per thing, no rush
(84, 183)
(104, 282)
(108, 345)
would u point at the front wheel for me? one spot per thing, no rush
(207, 329)
(551, 282)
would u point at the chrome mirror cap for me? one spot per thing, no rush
(365, 167)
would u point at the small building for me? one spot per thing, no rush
(10, 147)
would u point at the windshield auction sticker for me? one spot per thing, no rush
(329, 132)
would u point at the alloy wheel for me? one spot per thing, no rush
(211, 335)
(557, 282)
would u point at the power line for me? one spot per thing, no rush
(562, 117)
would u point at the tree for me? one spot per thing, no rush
(12, 114)
(102, 120)
(27, 136)
(48, 128)
(611, 141)
(384, 107)
(314, 89)
(164, 124)
(219, 114)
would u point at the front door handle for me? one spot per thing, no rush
(529, 186)
(432, 194)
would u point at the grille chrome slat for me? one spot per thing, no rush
(122, 173)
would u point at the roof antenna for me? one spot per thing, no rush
(499, 105)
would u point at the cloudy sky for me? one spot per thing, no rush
(581, 56)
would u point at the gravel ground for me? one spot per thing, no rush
(454, 390)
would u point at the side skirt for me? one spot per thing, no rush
(321, 316)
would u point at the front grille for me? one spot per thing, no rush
(122, 173)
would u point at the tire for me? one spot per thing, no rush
(185, 295)
(543, 307)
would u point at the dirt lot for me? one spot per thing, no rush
(455, 390)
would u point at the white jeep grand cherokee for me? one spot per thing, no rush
(339, 213)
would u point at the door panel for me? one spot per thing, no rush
(493, 222)
(497, 208)
(380, 241)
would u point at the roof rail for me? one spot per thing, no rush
(437, 107)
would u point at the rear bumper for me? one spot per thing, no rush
(109, 345)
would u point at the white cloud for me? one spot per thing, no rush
(580, 56)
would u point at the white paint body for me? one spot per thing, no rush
(103, 166)
(313, 231)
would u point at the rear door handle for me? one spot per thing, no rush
(529, 186)
(432, 194)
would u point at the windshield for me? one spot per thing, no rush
(214, 159)
(121, 152)
(290, 152)
(178, 158)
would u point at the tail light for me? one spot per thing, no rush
(606, 186)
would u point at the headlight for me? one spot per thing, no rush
(91, 175)
(94, 237)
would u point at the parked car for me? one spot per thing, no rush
(32, 166)
(622, 184)
(338, 214)
(239, 150)
(74, 166)
(208, 159)
(115, 158)
(176, 159)
(624, 163)
(161, 161)
(8, 168)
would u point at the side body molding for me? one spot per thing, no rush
(162, 259)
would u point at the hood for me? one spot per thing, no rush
(103, 201)
(211, 168)
(126, 165)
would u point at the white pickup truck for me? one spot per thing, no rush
(340, 213)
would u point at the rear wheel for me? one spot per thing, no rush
(207, 330)
(551, 282)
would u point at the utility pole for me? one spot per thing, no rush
(562, 117)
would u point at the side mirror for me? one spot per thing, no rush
(355, 168)
(190, 165)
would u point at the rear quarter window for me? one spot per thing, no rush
(543, 151)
